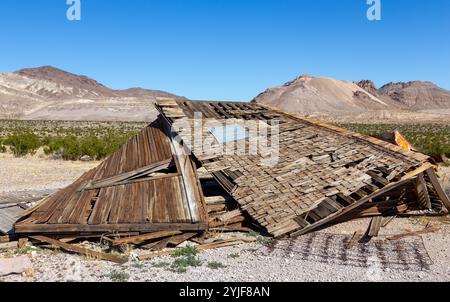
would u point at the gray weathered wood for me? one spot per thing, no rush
(437, 186)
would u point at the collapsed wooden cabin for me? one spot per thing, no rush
(322, 172)
(152, 188)
(143, 187)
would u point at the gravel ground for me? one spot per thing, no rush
(423, 258)
(322, 256)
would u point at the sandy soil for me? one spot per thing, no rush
(38, 173)
(322, 256)
(444, 173)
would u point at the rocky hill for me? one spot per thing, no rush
(53, 94)
(328, 98)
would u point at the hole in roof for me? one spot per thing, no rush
(229, 133)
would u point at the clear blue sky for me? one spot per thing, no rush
(228, 49)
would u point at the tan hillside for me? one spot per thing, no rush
(49, 93)
(328, 98)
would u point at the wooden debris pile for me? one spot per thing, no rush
(158, 191)
(323, 173)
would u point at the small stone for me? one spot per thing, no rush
(86, 158)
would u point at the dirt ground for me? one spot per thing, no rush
(321, 256)
(444, 173)
(38, 172)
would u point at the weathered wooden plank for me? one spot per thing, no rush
(216, 208)
(79, 250)
(437, 187)
(146, 237)
(230, 215)
(144, 227)
(351, 207)
(355, 238)
(383, 181)
(426, 166)
(237, 219)
(128, 175)
(216, 200)
(375, 226)
(177, 240)
(387, 221)
(422, 192)
(426, 230)
(189, 177)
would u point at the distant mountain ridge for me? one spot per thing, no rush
(345, 100)
(51, 93)
(417, 95)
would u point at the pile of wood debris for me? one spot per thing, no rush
(158, 192)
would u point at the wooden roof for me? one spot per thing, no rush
(322, 171)
(142, 187)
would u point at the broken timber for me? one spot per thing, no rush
(79, 250)
(151, 188)
(323, 171)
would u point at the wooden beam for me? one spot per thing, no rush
(146, 237)
(128, 182)
(422, 192)
(110, 181)
(215, 208)
(84, 228)
(230, 215)
(215, 200)
(387, 221)
(185, 168)
(350, 208)
(79, 250)
(417, 171)
(426, 230)
(355, 238)
(437, 186)
(215, 224)
(375, 226)
(177, 240)
(378, 178)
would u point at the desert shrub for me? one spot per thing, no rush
(68, 147)
(185, 257)
(73, 148)
(67, 140)
(433, 140)
(216, 265)
(116, 276)
(187, 251)
(2, 147)
(23, 143)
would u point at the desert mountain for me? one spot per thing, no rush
(335, 99)
(418, 95)
(50, 93)
(310, 95)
